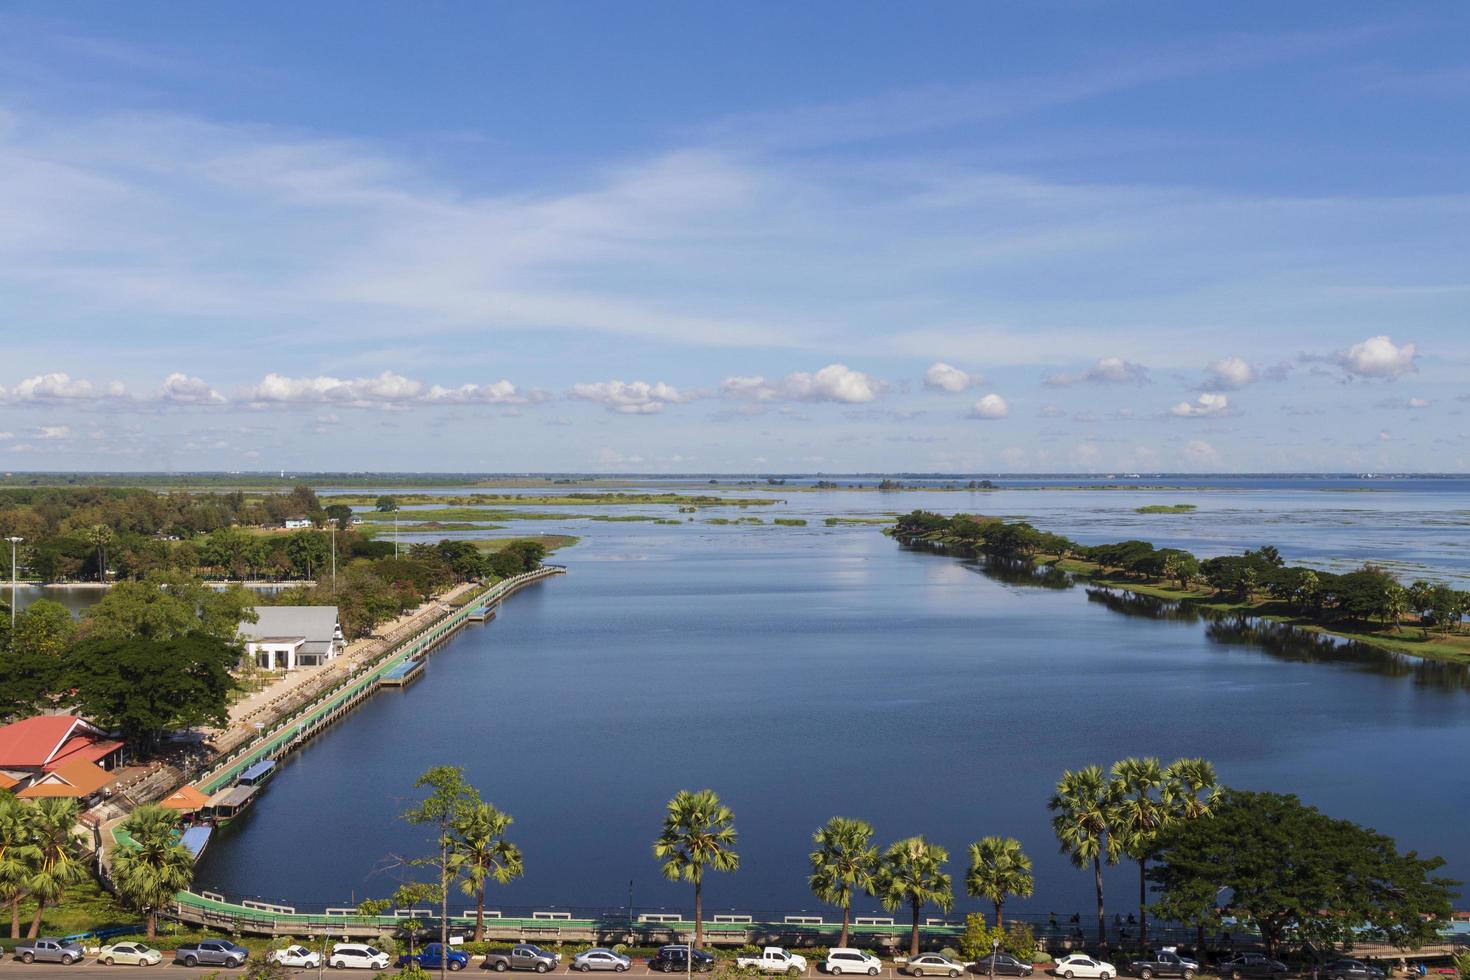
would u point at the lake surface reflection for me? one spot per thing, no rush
(807, 672)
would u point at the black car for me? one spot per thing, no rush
(1352, 970)
(1005, 966)
(675, 959)
(1165, 963)
(1250, 965)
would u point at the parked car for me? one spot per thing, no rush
(600, 958)
(297, 956)
(522, 956)
(934, 965)
(1250, 965)
(842, 960)
(1082, 965)
(1348, 969)
(1006, 965)
(429, 958)
(773, 959)
(1164, 963)
(212, 952)
(49, 951)
(674, 957)
(357, 956)
(129, 954)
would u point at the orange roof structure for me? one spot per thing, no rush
(7, 782)
(74, 780)
(185, 798)
(45, 742)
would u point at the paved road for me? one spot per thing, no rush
(90, 969)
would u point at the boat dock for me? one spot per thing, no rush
(404, 674)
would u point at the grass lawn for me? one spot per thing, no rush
(86, 906)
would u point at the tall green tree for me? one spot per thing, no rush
(845, 859)
(912, 873)
(31, 660)
(145, 688)
(449, 802)
(169, 604)
(18, 854)
(57, 863)
(157, 867)
(1142, 807)
(999, 868)
(698, 831)
(100, 536)
(483, 854)
(1298, 875)
(1082, 821)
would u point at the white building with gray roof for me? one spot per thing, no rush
(287, 637)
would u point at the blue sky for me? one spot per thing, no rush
(666, 237)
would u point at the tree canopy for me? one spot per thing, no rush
(1297, 874)
(144, 688)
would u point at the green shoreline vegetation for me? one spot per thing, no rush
(558, 500)
(1166, 509)
(1368, 605)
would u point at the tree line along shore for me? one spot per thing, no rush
(1424, 618)
(1192, 840)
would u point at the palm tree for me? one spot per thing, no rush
(912, 873)
(18, 854)
(1143, 807)
(481, 852)
(998, 868)
(57, 862)
(100, 535)
(1194, 793)
(698, 830)
(1083, 805)
(157, 866)
(845, 859)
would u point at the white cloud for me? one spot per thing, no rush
(833, 383)
(1418, 403)
(179, 387)
(992, 406)
(386, 388)
(7, 435)
(1051, 412)
(1208, 403)
(1383, 436)
(1108, 370)
(53, 432)
(1231, 372)
(946, 377)
(633, 397)
(1377, 357)
(1201, 453)
(500, 392)
(59, 387)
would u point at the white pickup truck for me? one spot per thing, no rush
(774, 959)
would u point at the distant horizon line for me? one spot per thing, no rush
(277, 474)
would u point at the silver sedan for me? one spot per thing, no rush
(601, 959)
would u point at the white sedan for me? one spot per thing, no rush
(1082, 965)
(297, 956)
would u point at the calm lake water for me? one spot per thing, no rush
(807, 672)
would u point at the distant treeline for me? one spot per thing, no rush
(1367, 595)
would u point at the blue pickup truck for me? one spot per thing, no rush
(429, 958)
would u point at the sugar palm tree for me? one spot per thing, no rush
(57, 862)
(1083, 808)
(698, 830)
(100, 536)
(912, 873)
(1194, 793)
(1142, 808)
(482, 852)
(18, 853)
(845, 859)
(156, 867)
(998, 869)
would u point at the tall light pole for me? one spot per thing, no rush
(994, 952)
(334, 556)
(14, 589)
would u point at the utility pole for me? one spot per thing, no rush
(334, 557)
(14, 588)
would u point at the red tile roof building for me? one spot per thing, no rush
(46, 742)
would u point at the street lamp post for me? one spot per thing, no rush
(994, 952)
(14, 588)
